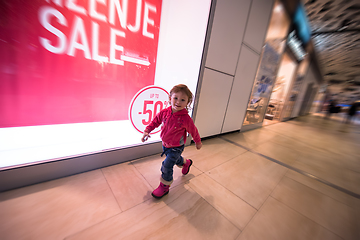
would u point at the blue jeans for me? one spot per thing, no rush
(173, 156)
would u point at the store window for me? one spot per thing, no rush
(296, 88)
(297, 42)
(264, 80)
(70, 70)
(278, 106)
(272, 51)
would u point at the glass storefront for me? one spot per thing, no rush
(71, 73)
(264, 81)
(296, 88)
(278, 107)
(271, 55)
(278, 82)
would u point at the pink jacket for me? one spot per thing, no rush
(174, 127)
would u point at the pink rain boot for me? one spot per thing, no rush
(186, 166)
(160, 191)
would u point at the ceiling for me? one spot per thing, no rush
(335, 26)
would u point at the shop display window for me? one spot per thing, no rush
(264, 81)
(278, 106)
(70, 70)
(269, 63)
(296, 88)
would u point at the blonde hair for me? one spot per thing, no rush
(184, 89)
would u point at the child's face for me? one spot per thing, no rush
(178, 101)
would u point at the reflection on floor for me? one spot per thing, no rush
(291, 180)
(267, 122)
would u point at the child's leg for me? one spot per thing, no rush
(173, 156)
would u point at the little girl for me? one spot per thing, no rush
(176, 122)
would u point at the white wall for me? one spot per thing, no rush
(211, 110)
(237, 36)
(239, 97)
(258, 22)
(227, 33)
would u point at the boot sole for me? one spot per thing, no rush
(158, 197)
(191, 162)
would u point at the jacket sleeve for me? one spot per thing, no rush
(154, 123)
(193, 131)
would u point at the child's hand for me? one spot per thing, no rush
(198, 145)
(145, 137)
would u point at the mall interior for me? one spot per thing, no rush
(274, 162)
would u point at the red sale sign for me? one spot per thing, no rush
(145, 105)
(73, 61)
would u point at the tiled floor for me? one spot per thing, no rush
(292, 180)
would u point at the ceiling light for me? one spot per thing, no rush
(278, 8)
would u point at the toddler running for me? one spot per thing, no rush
(176, 122)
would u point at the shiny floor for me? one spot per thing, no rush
(298, 179)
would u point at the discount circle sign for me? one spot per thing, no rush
(145, 105)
